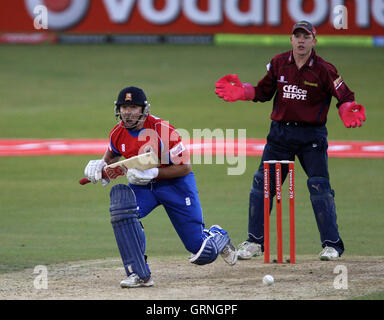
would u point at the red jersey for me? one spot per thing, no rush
(156, 134)
(301, 95)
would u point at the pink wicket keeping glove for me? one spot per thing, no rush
(231, 89)
(352, 114)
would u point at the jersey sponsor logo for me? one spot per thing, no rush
(311, 84)
(176, 150)
(294, 92)
(123, 147)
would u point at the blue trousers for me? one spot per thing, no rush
(309, 144)
(180, 199)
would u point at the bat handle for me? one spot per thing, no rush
(84, 181)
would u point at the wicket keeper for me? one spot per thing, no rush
(171, 185)
(302, 85)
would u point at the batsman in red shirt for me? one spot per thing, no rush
(171, 185)
(302, 85)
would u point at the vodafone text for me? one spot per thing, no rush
(259, 13)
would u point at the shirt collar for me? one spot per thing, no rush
(309, 63)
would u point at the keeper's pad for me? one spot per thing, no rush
(215, 241)
(323, 204)
(128, 230)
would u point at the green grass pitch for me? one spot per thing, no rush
(68, 91)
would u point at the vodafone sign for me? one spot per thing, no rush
(62, 14)
(195, 16)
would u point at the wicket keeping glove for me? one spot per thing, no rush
(231, 89)
(141, 177)
(352, 114)
(94, 171)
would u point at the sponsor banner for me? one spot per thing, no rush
(340, 17)
(254, 147)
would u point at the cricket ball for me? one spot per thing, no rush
(268, 280)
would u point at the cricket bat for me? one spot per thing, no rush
(118, 169)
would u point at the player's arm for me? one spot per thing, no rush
(143, 177)
(174, 171)
(178, 165)
(110, 158)
(351, 113)
(265, 89)
(180, 162)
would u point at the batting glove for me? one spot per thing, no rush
(94, 171)
(231, 89)
(141, 177)
(352, 114)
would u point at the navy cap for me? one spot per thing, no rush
(305, 25)
(131, 96)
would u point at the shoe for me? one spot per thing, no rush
(229, 254)
(247, 250)
(329, 253)
(134, 281)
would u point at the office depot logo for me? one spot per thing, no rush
(62, 14)
(294, 92)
